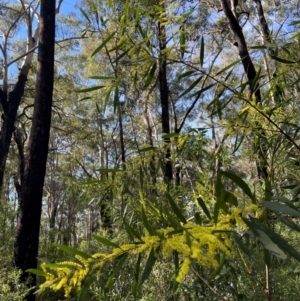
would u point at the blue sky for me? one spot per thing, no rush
(68, 6)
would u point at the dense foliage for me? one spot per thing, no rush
(173, 167)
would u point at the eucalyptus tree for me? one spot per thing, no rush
(11, 94)
(32, 171)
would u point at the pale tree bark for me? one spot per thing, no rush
(30, 202)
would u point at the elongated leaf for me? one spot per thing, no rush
(85, 15)
(147, 149)
(228, 197)
(137, 14)
(188, 238)
(191, 87)
(131, 232)
(146, 223)
(182, 40)
(202, 52)
(143, 34)
(141, 178)
(136, 276)
(240, 183)
(288, 222)
(90, 89)
(118, 46)
(105, 241)
(107, 170)
(222, 262)
(282, 244)
(238, 142)
(185, 74)
(254, 82)
(37, 272)
(281, 60)
(281, 208)
(238, 241)
(59, 265)
(197, 218)
(173, 222)
(84, 288)
(159, 8)
(102, 77)
(187, 14)
(149, 266)
(121, 55)
(203, 206)
(73, 251)
(98, 108)
(284, 200)
(85, 98)
(202, 90)
(176, 209)
(265, 240)
(270, 245)
(150, 75)
(126, 11)
(121, 261)
(107, 95)
(228, 67)
(294, 23)
(104, 43)
(171, 135)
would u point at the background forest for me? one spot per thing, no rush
(173, 168)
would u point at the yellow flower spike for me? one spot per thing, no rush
(67, 291)
(184, 269)
(60, 284)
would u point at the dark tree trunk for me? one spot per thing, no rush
(164, 99)
(278, 92)
(30, 202)
(10, 109)
(120, 117)
(240, 43)
(10, 101)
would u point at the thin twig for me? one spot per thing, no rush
(207, 284)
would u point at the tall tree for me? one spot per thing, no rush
(32, 177)
(10, 100)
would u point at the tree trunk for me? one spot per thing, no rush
(164, 99)
(10, 109)
(30, 202)
(10, 101)
(240, 43)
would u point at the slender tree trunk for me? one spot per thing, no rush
(10, 109)
(149, 138)
(30, 202)
(164, 99)
(10, 101)
(240, 43)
